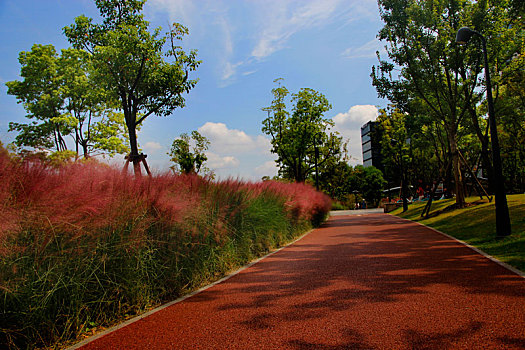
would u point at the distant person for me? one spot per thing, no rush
(420, 192)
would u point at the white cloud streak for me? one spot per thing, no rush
(280, 20)
(267, 25)
(367, 50)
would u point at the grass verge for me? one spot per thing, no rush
(476, 225)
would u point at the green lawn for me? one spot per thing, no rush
(476, 225)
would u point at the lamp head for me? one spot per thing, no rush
(464, 34)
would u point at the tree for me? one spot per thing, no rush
(373, 185)
(428, 76)
(433, 72)
(39, 91)
(334, 178)
(303, 135)
(129, 63)
(395, 148)
(61, 100)
(369, 182)
(503, 27)
(189, 160)
(88, 109)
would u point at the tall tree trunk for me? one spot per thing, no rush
(485, 153)
(61, 141)
(77, 141)
(299, 176)
(85, 149)
(134, 150)
(456, 166)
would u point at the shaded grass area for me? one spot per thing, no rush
(85, 246)
(476, 225)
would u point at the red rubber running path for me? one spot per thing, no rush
(359, 282)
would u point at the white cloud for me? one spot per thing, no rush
(279, 21)
(368, 50)
(349, 126)
(240, 40)
(224, 140)
(233, 151)
(216, 161)
(356, 116)
(152, 147)
(354, 145)
(182, 11)
(269, 168)
(229, 70)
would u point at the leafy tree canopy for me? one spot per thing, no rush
(188, 153)
(145, 71)
(61, 99)
(301, 138)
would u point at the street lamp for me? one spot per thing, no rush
(502, 210)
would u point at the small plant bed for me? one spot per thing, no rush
(476, 225)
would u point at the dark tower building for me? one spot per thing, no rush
(370, 141)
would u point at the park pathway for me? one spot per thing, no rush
(369, 281)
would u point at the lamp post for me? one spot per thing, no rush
(502, 211)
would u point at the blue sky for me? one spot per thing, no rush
(326, 45)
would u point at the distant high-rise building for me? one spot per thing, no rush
(370, 141)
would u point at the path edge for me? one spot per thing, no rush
(477, 250)
(180, 299)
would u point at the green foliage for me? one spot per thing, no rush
(369, 183)
(129, 62)
(373, 185)
(187, 159)
(334, 179)
(433, 79)
(39, 92)
(349, 186)
(61, 99)
(440, 85)
(394, 146)
(59, 158)
(411, 143)
(34, 135)
(303, 135)
(109, 134)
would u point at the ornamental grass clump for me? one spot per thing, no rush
(83, 246)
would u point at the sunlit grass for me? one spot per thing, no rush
(476, 225)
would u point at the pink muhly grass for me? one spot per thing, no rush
(91, 199)
(301, 200)
(87, 199)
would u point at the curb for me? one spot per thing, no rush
(182, 298)
(490, 257)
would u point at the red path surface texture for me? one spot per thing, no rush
(358, 282)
